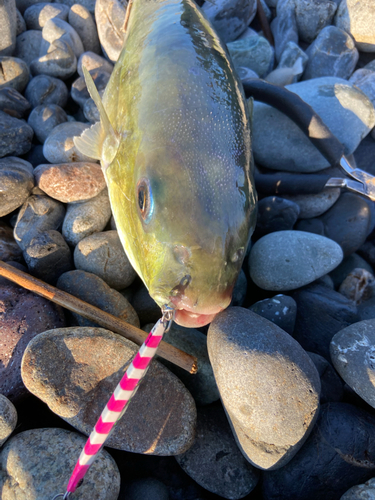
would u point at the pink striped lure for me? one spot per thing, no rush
(119, 401)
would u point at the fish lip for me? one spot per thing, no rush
(183, 305)
(192, 320)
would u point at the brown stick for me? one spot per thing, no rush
(117, 325)
(264, 23)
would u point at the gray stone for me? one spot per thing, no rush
(8, 418)
(103, 254)
(358, 19)
(230, 18)
(147, 309)
(147, 489)
(275, 214)
(367, 85)
(280, 309)
(57, 29)
(366, 310)
(348, 265)
(21, 25)
(358, 286)
(239, 290)
(313, 205)
(13, 103)
(59, 146)
(90, 110)
(8, 23)
(28, 45)
(74, 370)
(253, 52)
(291, 54)
(89, 4)
(370, 65)
(214, 461)
(59, 61)
(333, 53)
(312, 16)
(286, 76)
(364, 491)
(15, 136)
(14, 73)
(44, 463)
(359, 74)
(84, 24)
(9, 250)
(37, 15)
(16, 184)
(79, 91)
(245, 73)
(110, 17)
(45, 118)
(286, 260)
(44, 89)
(280, 144)
(22, 5)
(353, 355)
(332, 387)
(93, 61)
(268, 385)
(86, 218)
(284, 26)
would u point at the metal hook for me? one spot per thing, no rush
(64, 496)
(168, 316)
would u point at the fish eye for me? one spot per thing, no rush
(145, 199)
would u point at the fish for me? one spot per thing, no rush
(174, 144)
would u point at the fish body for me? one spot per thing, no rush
(176, 157)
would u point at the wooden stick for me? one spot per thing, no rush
(264, 23)
(117, 325)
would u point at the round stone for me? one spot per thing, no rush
(28, 45)
(284, 26)
(13, 103)
(59, 146)
(253, 52)
(110, 17)
(16, 183)
(15, 136)
(361, 491)
(44, 89)
(275, 214)
(45, 118)
(8, 419)
(81, 20)
(8, 26)
(90, 61)
(57, 29)
(58, 60)
(281, 310)
(312, 16)
(9, 250)
(38, 14)
(313, 205)
(358, 286)
(14, 73)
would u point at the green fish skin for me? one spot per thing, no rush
(174, 144)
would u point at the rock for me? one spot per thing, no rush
(89, 4)
(333, 53)
(348, 265)
(284, 26)
(110, 17)
(59, 61)
(23, 315)
(92, 289)
(15, 136)
(81, 20)
(230, 18)
(245, 73)
(8, 23)
(290, 55)
(321, 312)
(39, 213)
(35, 155)
(359, 74)
(43, 459)
(16, 183)
(291, 149)
(332, 387)
(239, 290)
(253, 52)
(147, 309)
(367, 253)
(38, 14)
(364, 153)
(44, 118)
(285, 76)
(281, 310)
(59, 146)
(286, 260)
(69, 182)
(312, 16)
(161, 417)
(57, 29)
(313, 205)
(367, 85)
(44, 89)
(79, 91)
(90, 110)
(357, 19)
(214, 461)
(9, 250)
(13, 103)
(338, 454)
(8, 419)
(275, 214)
(358, 286)
(268, 385)
(22, 5)
(93, 61)
(361, 491)
(147, 489)
(28, 45)
(20, 23)
(366, 310)
(14, 73)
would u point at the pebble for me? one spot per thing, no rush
(280, 309)
(57, 29)
(275, 214)
(358, 19)
(8, 23)
(367, 85)
(147, 309)
(28, 45)
(338, 454)
(348, 265)
(332, 387)
(8, 418)
(15, 136)
(79, 91)
(364, 491)
(359, 74)
(9, 250)
(230, 18)
(70, 182)
(290, 56)
(333, 53)
(93, 61)
(20, 22)
(38, 14)
(37, 464)
(366, 310)
(214, 461)
(73, 370)
(14, 73)
(81, 20)
(59, 146)
(110, 17)
(103, 255)
(291, 150)
(284, 26)
(44, 89)
(358, 286)
(367, 252)
(286, 260)
(13, 103)
(313, 205)
(35, 155)
(86, 218)
(44, 118)
(16, 183)
(92, 289)
(253, 52)
(313, 16)
(239, 290)
(58, 61)
(23, 315)
(90, 110)
(321, 313)
(147, 489)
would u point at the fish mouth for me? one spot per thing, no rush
(192, 317)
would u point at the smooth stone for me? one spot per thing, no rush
(86, 218)
(13, 103)
(9, 250)
(275, 214)
(348, 265)
(367, 252)
(44, 89)
(313, 205)
(364, 154)
(14, 73)
(230, 18)
(28, 45)
(37, 15)
(291, 150)
(358, 286)
(353, 355)
(339, 453)
(59, 61)
(367, 85)
(93, 61)
(110, 17)
(147, 309)
(366, 310)
(290, 56)
(370, 65)
(359, 74)
(73, 370)
(8, 24)
(35, 155)
(358, 19)
(268, 385)
(57, 29)
(8, 418)
(20, 23)
(82, 21)
(364, 491)
(333, 53)
(39, 213)
(45, 118)
(103, 254)
(239, 290)
(69, 182)
(245, 73)
(16, 183)
(89, 4)
(79, 91)
(321, 313)
(22, 5)
(312, 16)
(23, 315)
(36, 464)
(332, 387)
(147, 489)
(253, 52)
(92, 289)
(284, 26)
(15, 136)
(280, 309)
(90, 110)
(286, 260)
(59, 146)
(214, 460)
